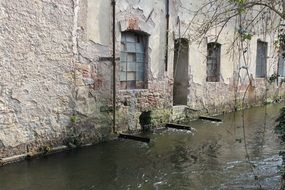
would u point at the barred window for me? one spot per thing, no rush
(133, 61)
(213, 62)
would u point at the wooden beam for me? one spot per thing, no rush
(210, 118)
(177, 126)
(135, 138)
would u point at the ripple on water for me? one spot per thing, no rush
(212, 158)
(251, 175)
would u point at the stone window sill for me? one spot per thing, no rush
(133, 90)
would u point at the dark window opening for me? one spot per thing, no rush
(213, 62)
(261, 59)
(281, 65)
(133, 61)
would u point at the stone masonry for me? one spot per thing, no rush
(56, 72)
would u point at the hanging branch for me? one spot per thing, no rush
(217, 14)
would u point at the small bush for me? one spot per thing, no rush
(280, 127)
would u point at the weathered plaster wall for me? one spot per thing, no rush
(95, 42)
(56, 71)
(35, 63)
(54, 85)
(99, 30)
(217, 97)
(149, 17)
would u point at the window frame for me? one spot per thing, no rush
(216, 57)
(264, 74)
(139, 52)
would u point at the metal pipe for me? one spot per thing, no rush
(114, 65)
(167, 34)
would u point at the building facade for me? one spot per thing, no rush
(57, 69)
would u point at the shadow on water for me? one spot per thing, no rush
(213, 157)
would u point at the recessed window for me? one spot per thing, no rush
(261, 59)
(180, 71)
(133, 61)
(281, 65)
(213, 62)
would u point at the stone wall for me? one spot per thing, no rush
(56, 71)
(36, 62)
(95, 42)
(227, 94)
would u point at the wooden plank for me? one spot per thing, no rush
(177, 126)
(135, 138)
(210, 118)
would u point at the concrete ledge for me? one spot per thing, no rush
(30, 155)
(12, 159)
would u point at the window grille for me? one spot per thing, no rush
(133, 61)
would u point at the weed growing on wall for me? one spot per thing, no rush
(280, 127)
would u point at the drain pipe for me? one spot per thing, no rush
(114, 65)
(167, 34)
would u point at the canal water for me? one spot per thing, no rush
(213, 157)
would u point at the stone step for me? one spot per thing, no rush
(178, 110)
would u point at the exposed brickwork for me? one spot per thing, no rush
(55, 87)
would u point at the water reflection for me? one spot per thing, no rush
(213, 157)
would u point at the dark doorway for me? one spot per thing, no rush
(180, 71)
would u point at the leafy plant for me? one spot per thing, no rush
(245, 35)
(280, 127)
(272, 78)
(73, 119)
(281, 38)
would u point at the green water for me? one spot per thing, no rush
(213, 157)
